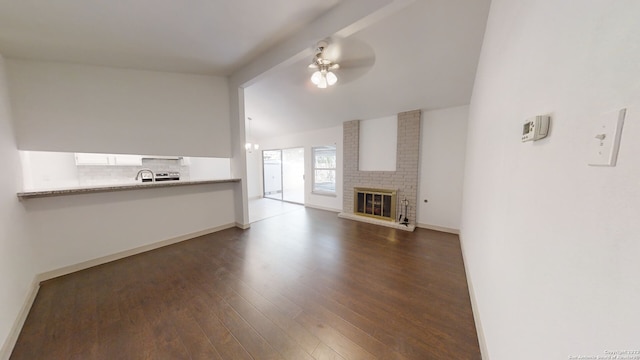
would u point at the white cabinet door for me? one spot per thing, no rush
(126, 160)
(92, 159)
(108, 159)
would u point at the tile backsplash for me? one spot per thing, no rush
(108, 175)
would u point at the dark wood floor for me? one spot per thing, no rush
(305, 285)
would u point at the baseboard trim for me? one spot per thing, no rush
(322, 208)
(12, 338)
(242, 226)
(123, 254)
(484, 351)
(439, 228)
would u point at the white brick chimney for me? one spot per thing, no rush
(404, 179)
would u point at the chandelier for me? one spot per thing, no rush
(249, 146)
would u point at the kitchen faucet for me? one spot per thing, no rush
(139, 174)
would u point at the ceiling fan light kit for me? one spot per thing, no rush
(323, 76)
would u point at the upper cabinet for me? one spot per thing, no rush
(123, 160)
(108, 159)
(92, 159)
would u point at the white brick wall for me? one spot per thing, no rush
(404, 180)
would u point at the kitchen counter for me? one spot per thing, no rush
(119, 187)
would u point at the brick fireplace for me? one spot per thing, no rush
(404, 181)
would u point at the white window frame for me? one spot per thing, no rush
(313, 170)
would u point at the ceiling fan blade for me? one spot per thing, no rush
(364, 62)
(333, 51)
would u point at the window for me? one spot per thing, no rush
(324, 170)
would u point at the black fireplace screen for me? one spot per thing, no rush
(377, 203)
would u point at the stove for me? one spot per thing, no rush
(160, 176)
(167, 176)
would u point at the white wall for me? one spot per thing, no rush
(442, 152)
(68, 230)
(329, 136)
(551, 244)
(254, 174)
(17, 268)
(47, 170)
(209, 168)
(81, 108)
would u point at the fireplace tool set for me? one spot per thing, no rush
(404, 221)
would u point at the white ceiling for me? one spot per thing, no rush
(425, 58)
(422, 56)
(212, 37)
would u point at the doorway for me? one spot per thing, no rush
(283, 174)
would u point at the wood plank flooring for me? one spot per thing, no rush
(304, 285)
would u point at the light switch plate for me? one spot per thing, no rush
(605, 139)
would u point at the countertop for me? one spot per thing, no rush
(117, 187)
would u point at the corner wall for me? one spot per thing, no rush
(442, 157)
(17, 268)
(551, 244)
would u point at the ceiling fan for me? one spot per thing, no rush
(349, 55)
(323, 76)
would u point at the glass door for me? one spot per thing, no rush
(272, 173)
(283, 174)
(293, 175)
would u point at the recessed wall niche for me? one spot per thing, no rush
(378, 144)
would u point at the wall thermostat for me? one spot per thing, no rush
(535, 128)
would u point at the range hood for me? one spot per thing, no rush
(160, 157)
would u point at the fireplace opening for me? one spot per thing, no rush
(376, 203)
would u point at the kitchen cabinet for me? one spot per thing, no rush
(124, 160)
(92, 159)
(108, 159)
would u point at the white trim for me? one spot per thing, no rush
(324, 193)
(12, 337)
(123, 254)
(391, 224)
(242, 226)
(322, 208)
(333, 193)
(439, 228)
(484, 351)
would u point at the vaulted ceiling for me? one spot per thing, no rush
(423, 54)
